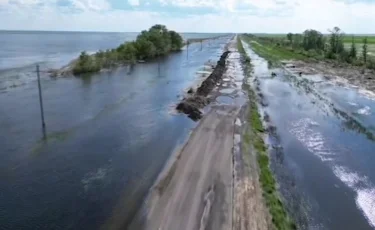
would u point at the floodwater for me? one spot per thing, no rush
(323, 150)
(20, 51)
(109, 135)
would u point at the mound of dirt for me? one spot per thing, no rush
(209, 84)
(191, 105)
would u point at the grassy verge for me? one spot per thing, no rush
(241, 49)
(254, 137)
(273, 53)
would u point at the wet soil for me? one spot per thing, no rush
(354, 75)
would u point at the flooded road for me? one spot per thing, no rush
(109, 136)
(323, 148)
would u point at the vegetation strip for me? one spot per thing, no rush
(312, 44)
(158, 41)
(253, 136)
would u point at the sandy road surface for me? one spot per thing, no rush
(197, 192)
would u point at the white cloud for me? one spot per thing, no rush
(273, 16)
(95, 5)
(133, 2)
(229, 5)
(190, 3)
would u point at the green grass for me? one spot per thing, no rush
(270, 35)
(347, 37)
(359, 39)
(239, 45)
(253, 136)
(273, 53)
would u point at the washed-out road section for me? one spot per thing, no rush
(200, 188)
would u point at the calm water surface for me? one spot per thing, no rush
(109, 135)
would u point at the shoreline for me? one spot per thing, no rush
(67, 70)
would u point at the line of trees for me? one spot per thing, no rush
(155, 42)
(315, 43)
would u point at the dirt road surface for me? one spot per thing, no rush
(211, 183)
(197, 191)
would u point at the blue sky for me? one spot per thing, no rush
(257, 16)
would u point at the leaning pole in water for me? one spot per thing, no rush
(41, 102)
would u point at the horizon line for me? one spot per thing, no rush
(186, 32)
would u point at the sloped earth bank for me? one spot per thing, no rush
(322, 136)
(192, 104)
(204, 186)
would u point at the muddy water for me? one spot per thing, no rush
(109, 135)
(324, 163)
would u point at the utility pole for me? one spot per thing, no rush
(187, 50)
(201, 45)
(41, 102)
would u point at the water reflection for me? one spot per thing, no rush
(109, 135)
(312, 146)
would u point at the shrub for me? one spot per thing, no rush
(176, 40)
(330, 55)
(86, 64)
(127, 52)
(145, 49)
(357, 62)
(371, 63)
(345, 56)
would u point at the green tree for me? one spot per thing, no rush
(364, 50)
(85, 64)
(313, 39)
(335, 40)
(159, 36)
(128, 52)
(353, 50)
(176, 41)
(145, 49)
(297, 40)
(290, 37)
(156, 38)
(157, 41)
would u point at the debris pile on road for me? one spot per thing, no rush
(191, 105)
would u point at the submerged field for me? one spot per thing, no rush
(321, 137)
(370, 47)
